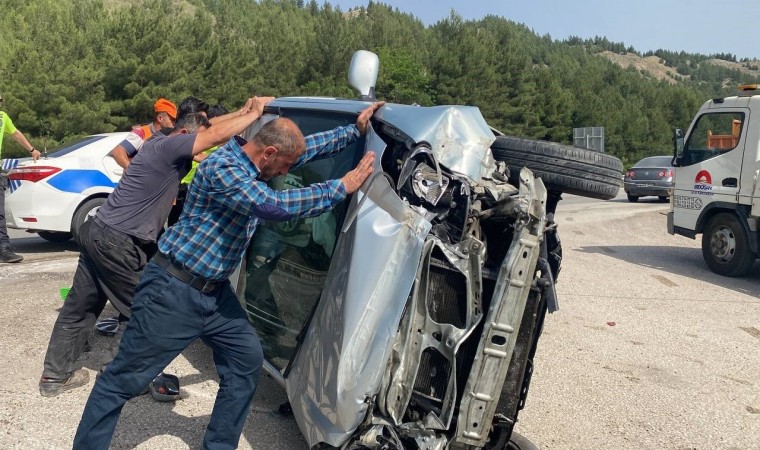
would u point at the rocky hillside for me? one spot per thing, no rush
(655, 67)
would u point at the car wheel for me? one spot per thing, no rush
(54, 236)
(725, 246)
(562, 168)
(516, 441)
(632, 198)
(83, 213)
(519, 442)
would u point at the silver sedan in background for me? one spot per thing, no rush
(652, 176)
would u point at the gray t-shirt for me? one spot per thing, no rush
(140, 204)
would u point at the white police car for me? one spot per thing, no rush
(54, 195)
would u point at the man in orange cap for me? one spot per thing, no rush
(165, 116)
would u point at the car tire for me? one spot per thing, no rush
(82, 214)
(55, 236)
(519, 442)
(663, 198)
(725, 246)
(632, 198)
(563, 168)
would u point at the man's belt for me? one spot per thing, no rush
(203, 285)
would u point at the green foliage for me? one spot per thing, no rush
(87, 66)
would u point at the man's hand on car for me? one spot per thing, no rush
(258, 104)
(354, 179)
(363, 120)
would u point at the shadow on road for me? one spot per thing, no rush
(34, 244)
(143, 419)
(682, 261)
(641, 200)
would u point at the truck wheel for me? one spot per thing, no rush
(632, 198)
(83, 213)
(562, 168)
(54, 236)
(725, 246)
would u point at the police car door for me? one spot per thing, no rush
(711, 166)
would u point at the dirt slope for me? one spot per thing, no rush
(655, 67)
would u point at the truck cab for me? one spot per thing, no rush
(715, 187)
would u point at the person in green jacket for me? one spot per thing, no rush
(7, 127)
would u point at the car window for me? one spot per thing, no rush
(655, 161)
(714, 134)
(67, 148)
(287, 262)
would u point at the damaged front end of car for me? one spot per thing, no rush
(420, 338)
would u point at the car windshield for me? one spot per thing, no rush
(655, 161)
(69, 147)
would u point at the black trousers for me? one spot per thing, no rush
(5, 242)
(110, 265)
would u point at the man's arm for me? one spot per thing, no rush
(21, 139)
(243, 110)
(119, 154)
(234, 189)
(221, 132)
(328, 143)
(128, 148)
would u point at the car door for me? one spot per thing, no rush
(711, 166)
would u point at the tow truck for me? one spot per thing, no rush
(716, 192)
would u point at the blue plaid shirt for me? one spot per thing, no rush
(225, 201)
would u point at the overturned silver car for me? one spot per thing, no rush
(408, 317)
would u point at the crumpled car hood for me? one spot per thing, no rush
(458, 136)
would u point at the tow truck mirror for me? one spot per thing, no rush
(678, 147)
(362, 73)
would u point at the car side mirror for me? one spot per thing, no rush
(362, 73)
(677, 147)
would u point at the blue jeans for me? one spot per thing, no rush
(167, 315)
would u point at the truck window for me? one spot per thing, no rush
(714, 134)
(287, 262)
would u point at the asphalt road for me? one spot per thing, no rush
(649, 350)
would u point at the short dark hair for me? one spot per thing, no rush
(281, 133)
(191, 122)
(191, 105)
(216, 111)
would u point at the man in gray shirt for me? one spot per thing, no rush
(118, 242)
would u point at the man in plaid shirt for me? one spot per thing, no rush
(184, 292)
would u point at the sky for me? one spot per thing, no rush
(694, 26)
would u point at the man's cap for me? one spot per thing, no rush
(164, 105)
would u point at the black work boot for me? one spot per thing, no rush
(50, 387)
(7, 256)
